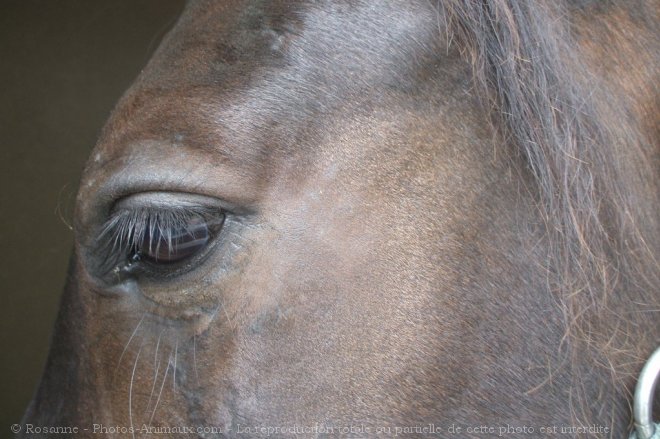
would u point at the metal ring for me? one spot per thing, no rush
(643, 402)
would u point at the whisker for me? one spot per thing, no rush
(176, 349)
(224, 310)
(231, 324)
(114, 376)
(161, 389)
(156, 368)
(130, 391)
(195, 359)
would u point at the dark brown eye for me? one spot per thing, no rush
(158, 235)
(162, 245)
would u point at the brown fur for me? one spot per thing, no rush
(582, 105)
(438, 213)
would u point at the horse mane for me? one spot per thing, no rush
(595, 167)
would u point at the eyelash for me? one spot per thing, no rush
(128, 230)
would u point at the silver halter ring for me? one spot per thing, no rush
(645, 428)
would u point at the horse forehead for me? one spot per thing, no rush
(310, 49)
(233, 77)
(215, 40)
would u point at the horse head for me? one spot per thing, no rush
(347, 214)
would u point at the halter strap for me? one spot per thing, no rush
(645, 428)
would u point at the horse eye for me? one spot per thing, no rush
(163, 246)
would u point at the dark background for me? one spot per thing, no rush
(63, 65)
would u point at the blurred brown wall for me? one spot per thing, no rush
(63, 65)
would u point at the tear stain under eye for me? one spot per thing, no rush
(154, 234)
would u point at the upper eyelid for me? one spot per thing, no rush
(126, 227)
(94, 215)
(167, 200)
(151, 203)
(131, 221)
(114, 237)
